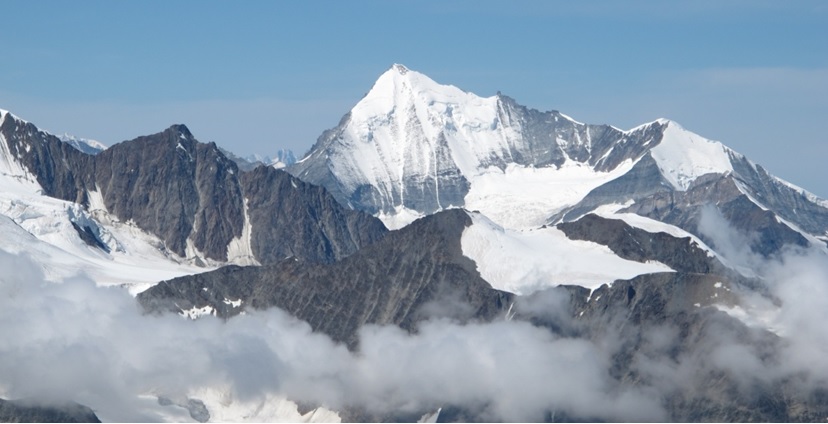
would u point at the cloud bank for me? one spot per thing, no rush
(73, 340)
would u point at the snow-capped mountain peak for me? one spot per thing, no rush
(684, 156)
(412, 144)
(412, 147)
(85, 145)
(400, 89)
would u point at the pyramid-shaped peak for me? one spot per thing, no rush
(399, 87)
(181, 130)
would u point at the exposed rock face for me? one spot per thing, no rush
(192, 196)
(295, 219)
(683, 209)
(409, 275)
(31, 411)
(680, 254)
(63, 171)
(176, 188)
(653, 197)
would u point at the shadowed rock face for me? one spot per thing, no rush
(683, 209)
(296, 219)
(184, 192)
(174, 187)
(30, 411)
(411, 274)
(653, 197)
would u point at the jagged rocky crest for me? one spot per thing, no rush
(398, 280)
(193, 197)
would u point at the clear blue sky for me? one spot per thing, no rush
(255, 76)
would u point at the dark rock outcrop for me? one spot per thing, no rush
(635, 244)
(174, 187)
(411, 274)
(684, 208)
(295, 219)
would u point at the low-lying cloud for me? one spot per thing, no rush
(93, 345)
(73, 340)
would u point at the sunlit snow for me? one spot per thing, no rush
(684, 156)
(525, 261)
(525, 197)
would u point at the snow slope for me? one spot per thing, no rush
(521, 197)
(683, 156)
(523, 261)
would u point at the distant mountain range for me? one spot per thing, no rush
(430, 204)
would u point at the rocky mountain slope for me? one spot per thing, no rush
(189, 195)
(410, 275)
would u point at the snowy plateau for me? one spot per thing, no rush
(672, 229)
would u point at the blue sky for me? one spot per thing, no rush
(256, 76)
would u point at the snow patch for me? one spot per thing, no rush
(765, 317)
(234, 303)
(651, 225)
(239, 250)
(83, 144)
(431, 417)
(95, 199)
(196, 312)
(401, 217)
(41, 227)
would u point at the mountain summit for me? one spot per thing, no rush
(412, 147)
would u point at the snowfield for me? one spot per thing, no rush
(523, 198)
(524, 261)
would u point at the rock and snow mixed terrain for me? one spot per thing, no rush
(499, 214)
(411, 147)
(45, 229)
